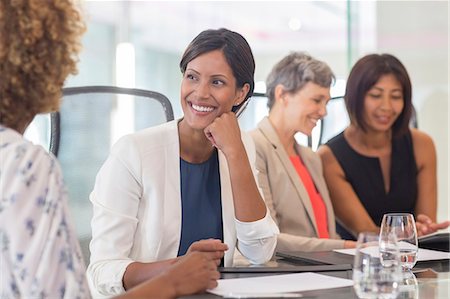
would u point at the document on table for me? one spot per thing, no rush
(281, 285)
(422, 254)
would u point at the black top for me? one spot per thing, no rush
(201, 204)
(365, 175)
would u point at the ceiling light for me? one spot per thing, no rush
(295, 24)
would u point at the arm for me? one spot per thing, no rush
(116, 200)
(206, 250)
(225, 134)
(426, 205)
(192, 273)
(255, 229)
(349, 210)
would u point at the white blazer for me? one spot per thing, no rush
(137, 209)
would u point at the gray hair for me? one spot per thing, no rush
(294, 71)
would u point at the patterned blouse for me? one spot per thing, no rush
(39, 253)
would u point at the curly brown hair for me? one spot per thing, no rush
(39, 46)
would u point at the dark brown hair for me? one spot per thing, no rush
(364, 75)
(235, 48)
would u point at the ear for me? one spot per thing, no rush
(241, 93)
(279, 93)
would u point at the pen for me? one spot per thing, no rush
(263, 295)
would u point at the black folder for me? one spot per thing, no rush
(436, 241)
(316, 258)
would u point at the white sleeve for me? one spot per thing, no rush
(257, 240)
(115, 201)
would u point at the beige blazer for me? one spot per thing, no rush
(285, 195)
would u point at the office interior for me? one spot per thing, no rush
(139, 44)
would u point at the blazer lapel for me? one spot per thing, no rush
(269, 132)
(229, 233)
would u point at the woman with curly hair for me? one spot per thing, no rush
(39, 252)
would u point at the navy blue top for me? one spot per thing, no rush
(365, 176)
(200, 202)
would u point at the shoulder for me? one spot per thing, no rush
(22, 157)
(28, 172)
(423, 144)
(326, 154)
(149, 139)
(421, 138)
(261, 142)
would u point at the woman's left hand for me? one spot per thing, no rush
(426, 226)
(224, 133)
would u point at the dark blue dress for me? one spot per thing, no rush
(200, 202)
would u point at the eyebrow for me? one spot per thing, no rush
(379, 88)
(212, 76)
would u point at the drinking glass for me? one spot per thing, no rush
(403, 226)
(408, 287)
(373, 278)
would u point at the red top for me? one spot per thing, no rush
(320, 211)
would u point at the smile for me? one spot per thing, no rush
(202, 108)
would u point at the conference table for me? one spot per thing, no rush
(428, 280)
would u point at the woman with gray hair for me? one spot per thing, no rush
(290, 175)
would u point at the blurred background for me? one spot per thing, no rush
(139, 44)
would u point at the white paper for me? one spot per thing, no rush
(422, 255)
(279, 284)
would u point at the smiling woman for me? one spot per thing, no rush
(298, 88)
(379, 165)
(186, 185)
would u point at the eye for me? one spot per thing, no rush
(374, 95)
(190, 76)
(218, 82)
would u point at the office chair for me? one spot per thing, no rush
(89, 122)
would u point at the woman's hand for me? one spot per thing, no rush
(193, 273)
(225, 134)
(349, 244)
(426, 226)
(214, 248)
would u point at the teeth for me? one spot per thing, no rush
(202, 108)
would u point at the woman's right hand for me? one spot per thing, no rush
(426, 226)
(193, 273)
(214, 248)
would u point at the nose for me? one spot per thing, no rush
(202, 90)
(386, 103)
(323, 110)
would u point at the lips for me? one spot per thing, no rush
(383, 119)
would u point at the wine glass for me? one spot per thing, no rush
(408, 288)
(403, 226)
(373, 277)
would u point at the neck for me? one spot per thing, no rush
(370, 139)
(285, 134)
(19, 126)
(194, 146)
